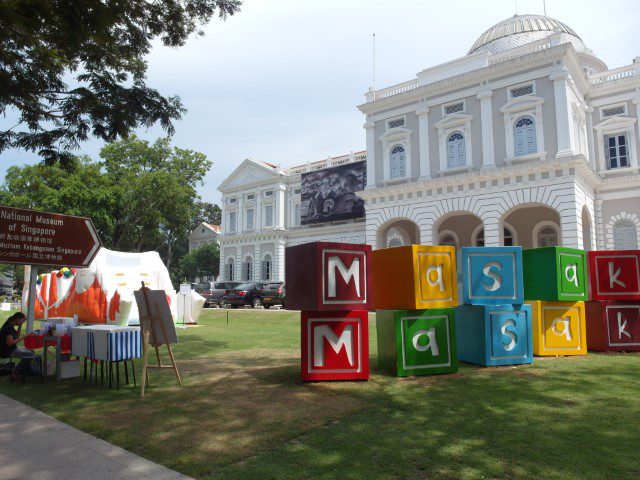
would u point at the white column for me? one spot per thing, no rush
(423, 140)
(599, 226)
(371, 155)
(278, 261)
(280, 207)
(222, 259)
(593, 155)
(257, 213)
(634, 155)
(257, 263)
(562, 112)
(492, 232)
(486, 116)
(240, 214)
(223, 215)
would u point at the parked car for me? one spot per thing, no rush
(273, 294)
(245, 294)
(214, 291)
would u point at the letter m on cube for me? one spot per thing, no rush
(327, 276)
(335, 345)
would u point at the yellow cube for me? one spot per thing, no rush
(414, 277)
(559, 328)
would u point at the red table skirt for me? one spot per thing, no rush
(33, 341)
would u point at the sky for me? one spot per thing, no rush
(280, 81)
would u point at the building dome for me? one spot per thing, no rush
(520, 30)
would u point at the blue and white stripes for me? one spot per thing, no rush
(124, 346)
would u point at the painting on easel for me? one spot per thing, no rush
(158, 329)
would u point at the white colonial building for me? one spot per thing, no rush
(527, 140)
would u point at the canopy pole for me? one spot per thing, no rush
(31, 309)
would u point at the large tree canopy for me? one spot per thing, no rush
(140, 196)
(74, 68)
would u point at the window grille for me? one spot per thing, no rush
(625, 236)
(232, 221)
(521, 91)
(610, 112)
(454, 108)
(395, 123)
(268, 215)
(250, 219)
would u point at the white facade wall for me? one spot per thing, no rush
(564, 186)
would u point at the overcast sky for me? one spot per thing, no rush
(280, 80)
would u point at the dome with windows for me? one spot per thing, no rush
(522, 29)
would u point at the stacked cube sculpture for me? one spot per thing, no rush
(555, 285)
(415, 289)
(330, 283)
(493, 327)
(613, 314)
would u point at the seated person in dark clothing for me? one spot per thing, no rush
(11, 335)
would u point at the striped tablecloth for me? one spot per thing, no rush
(107, 342)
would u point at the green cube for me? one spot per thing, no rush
(555, 274)
(417, 342)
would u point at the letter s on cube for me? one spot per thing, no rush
(328, 276)
(335, 345)
(414, 277)
(492, 335)
(615, 274)
(492, 275)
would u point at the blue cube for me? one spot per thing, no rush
(492, 275)
(492, 335)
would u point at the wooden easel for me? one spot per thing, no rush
(147, 324)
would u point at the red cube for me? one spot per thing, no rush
(615, 275)
(335, 345)
(327, 276)
(613, 326)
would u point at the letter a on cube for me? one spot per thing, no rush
(335, 345)
(613, 326)
(559, 328)
(328, 276)
(615, 275)
(414, 277)
(494, 334)
(492, 275)
(555, 274)
(417, 342)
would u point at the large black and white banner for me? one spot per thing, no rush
(329, 195)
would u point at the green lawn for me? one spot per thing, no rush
(243, 413)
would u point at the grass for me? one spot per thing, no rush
(243, 413)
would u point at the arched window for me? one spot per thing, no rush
(230, 270)
(507, 237)
(398, 160)
(456, 153)
(524, 133)
(547, 237)
(448, 239)
(266, 267)
(479, 241)
(625, 236)
(247, 269)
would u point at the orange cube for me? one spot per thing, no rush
(414, 277)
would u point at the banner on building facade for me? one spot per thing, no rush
(329, 194)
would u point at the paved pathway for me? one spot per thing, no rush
(36, 446)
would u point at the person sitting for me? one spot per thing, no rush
(11, 335)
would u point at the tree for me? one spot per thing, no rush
(202, 262)
(207, 212)
(140, 196)
(74, 68)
